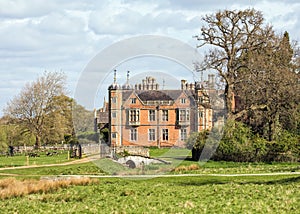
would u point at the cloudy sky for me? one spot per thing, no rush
(63, 35)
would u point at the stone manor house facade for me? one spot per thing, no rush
(145, 115)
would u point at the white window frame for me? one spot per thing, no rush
(133, 134)
(151, 115)
(134, 115)
(184, 115)
(200, 99)
(183, 134)
(165, 134)
(151, 135)
(133, 100)
(201, 114)
(165, 115)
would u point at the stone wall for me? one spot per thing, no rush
(133, 150)
(91, 149)
(105, 151)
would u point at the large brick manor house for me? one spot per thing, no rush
(145, 115)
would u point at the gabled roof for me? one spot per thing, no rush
(174, 94)
(153, 95)
(156, 95)
(126, 94)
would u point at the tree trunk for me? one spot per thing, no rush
(229, 101)
(37, 142)
(270, 131)
(196, 154)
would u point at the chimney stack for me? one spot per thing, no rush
(183, 85)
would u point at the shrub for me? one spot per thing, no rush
(236, 143)
(285, 148)
(196, 142)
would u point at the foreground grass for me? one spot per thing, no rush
(203, 194)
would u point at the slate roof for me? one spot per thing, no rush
(155, 95)
(126, 94)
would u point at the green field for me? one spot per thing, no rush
(210, 191)
(23, 160)
(205, 194)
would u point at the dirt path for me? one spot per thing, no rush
(92, 158)
(184, 175)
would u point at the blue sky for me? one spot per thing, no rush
(63, 35)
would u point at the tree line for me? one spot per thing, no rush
(42, 114)
(260, 70)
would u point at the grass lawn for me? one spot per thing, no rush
(78, 169)
(180, 164)
(22, 160)
(199, 194)
(205, 194)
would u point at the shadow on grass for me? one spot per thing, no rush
(284, 181)
(11, 165)
(294, 169)
(184, 159)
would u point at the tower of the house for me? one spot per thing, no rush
(115, 113)
(205, 113)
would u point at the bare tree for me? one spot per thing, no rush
(232, 34)
(37, 101)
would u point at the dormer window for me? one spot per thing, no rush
(133, 100)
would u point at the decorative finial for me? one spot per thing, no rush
(115, 76)
(127, 77)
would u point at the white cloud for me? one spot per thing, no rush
(62, 23)
(23, 9)
(38, 35)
